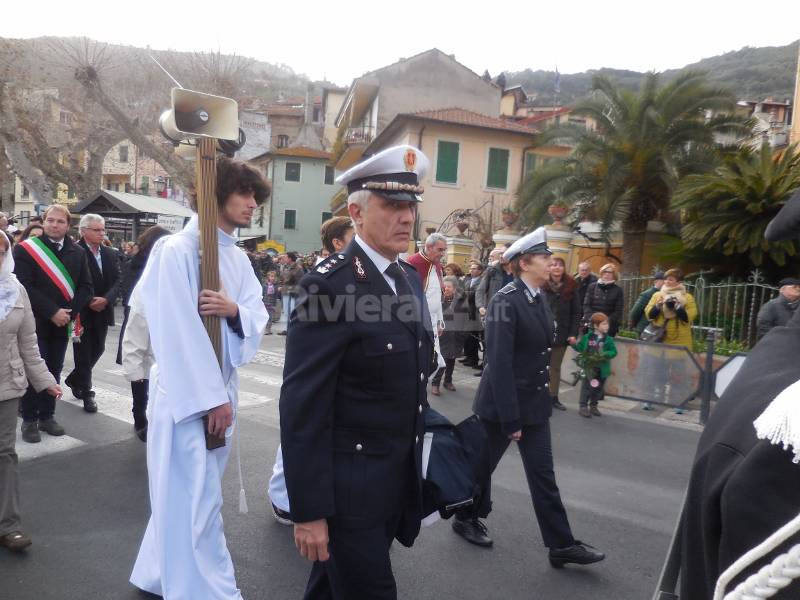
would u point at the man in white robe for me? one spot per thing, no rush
(184, 555)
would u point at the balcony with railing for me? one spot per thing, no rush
(359, 135)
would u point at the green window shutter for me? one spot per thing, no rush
(290, 219)
(497, 175)
(447, 162)
(530, 163)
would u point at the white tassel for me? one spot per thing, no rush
(242, 495)
(780, 421)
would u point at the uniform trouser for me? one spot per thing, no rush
(556, 358)
(537, 458)
(42, 405)
(88, 352)
(359, 566)
(9, 478)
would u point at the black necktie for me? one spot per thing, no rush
(401, 285)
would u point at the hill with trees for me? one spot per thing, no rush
(750, 73)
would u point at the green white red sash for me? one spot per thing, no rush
(58, 274)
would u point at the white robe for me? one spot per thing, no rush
(433, 294)
(184, 555)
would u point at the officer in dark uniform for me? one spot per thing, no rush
(514, 403)
(745, 481)
(358, 355)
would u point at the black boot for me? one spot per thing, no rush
(557, 404)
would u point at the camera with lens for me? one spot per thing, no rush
(671, 302)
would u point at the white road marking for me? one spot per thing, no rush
(48, 445)
(110, 403)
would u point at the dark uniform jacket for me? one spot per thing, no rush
(519, 334)
(45, 297)
(105, 283)
(742, 489)
(352, 398)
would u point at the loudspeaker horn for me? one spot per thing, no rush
(195, 114)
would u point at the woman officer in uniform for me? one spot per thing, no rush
(513, 402)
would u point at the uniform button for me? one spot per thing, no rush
(420, 344)
(420, 408)
(541, 372)
(359, 447)
(547, 366)
(389, 346)
(549, 349)
(422, 376)
(416, 439)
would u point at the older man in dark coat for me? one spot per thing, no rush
(99, 313)
(779, 311)
(358, 355)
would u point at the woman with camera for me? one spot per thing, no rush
(672, 309)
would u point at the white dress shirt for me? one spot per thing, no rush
(381, 262)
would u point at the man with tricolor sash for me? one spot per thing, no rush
(55, 273)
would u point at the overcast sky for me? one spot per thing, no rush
(340, 40)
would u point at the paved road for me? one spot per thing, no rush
(85, 505)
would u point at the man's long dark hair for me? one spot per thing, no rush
(235, 176)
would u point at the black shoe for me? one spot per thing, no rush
(557, 404)
(30, 432)
(595, 411)
(76, 391)
(89, 405)
(579, 554)
(281, 516)
(464, 361)
(141, 433)
(282, 332)
(472, 530)
(51, 426)
(471, 363)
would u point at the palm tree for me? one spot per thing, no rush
(626, 169)
(729, 208)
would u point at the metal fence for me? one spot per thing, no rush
(731, 306)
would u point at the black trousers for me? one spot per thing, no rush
(359, 567)
(88, 352)
(592, 395)
(537, 458)
(42, 405)
(472, 345)
(139, 391)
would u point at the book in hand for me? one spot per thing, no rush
(212, 441)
